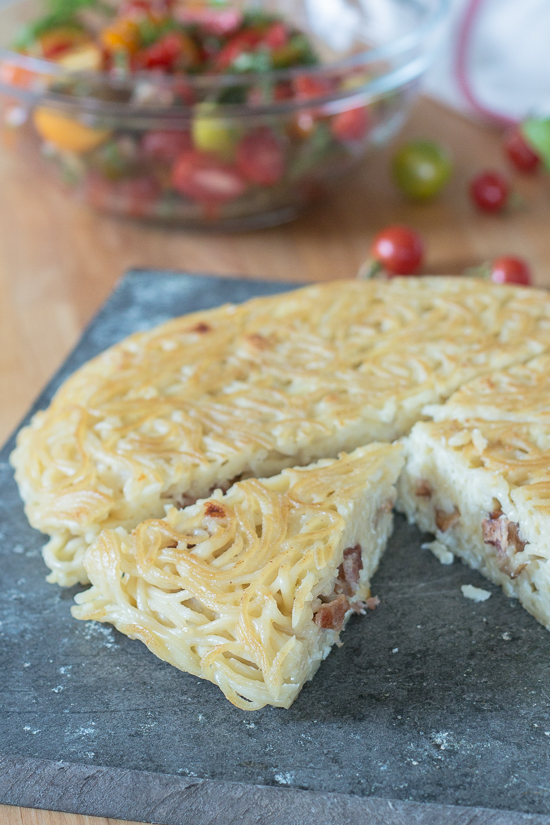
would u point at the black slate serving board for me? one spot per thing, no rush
(432, 702)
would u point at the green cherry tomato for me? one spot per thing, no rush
(421, 168)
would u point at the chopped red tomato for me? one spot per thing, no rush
(154, 9)
(350, 125)
(276, 36)
(282, 91)
(61, 40)
(184, 91)
(308, 86)
(260, 157)
(141, 194)
(218, 22)
(175, 50)
(202, 177)
(241, 43)
(165, 144)
(134, 197)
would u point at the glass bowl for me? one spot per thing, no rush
(268, 143)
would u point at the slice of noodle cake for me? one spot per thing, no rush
(251, 589)
(483, 488)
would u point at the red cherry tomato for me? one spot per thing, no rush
(399, 250)
(490, 191)
(260, 157)
(202, 177)
(507, 270)
(350, 125)
(165, 144)
(308, 86)
(519, 151)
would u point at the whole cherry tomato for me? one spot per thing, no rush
(519, 152)
(165, 144)
(490, 191)
(421, 168)
(260, 157)
(351, 125)
(508, 270)
(202, 177)
(399, 250)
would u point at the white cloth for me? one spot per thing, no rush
(509, 58)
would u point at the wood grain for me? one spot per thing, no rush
(26, 816)
(59, 260)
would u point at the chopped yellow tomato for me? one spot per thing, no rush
(57, 42)
(84, 59)
(122, 35)
(214, 134)
(66, 133)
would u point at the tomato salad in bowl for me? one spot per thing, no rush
(209, 113)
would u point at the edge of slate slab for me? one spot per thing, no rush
(173, 800)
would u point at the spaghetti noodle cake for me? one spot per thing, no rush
(167, 416)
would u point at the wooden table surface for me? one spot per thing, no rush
(59, 261)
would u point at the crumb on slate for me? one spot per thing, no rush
(476, 594)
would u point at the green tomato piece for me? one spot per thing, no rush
(214, 134)
(421, 168)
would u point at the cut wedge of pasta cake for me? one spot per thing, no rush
(168, 415)
(251, 589)
(483, 488)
